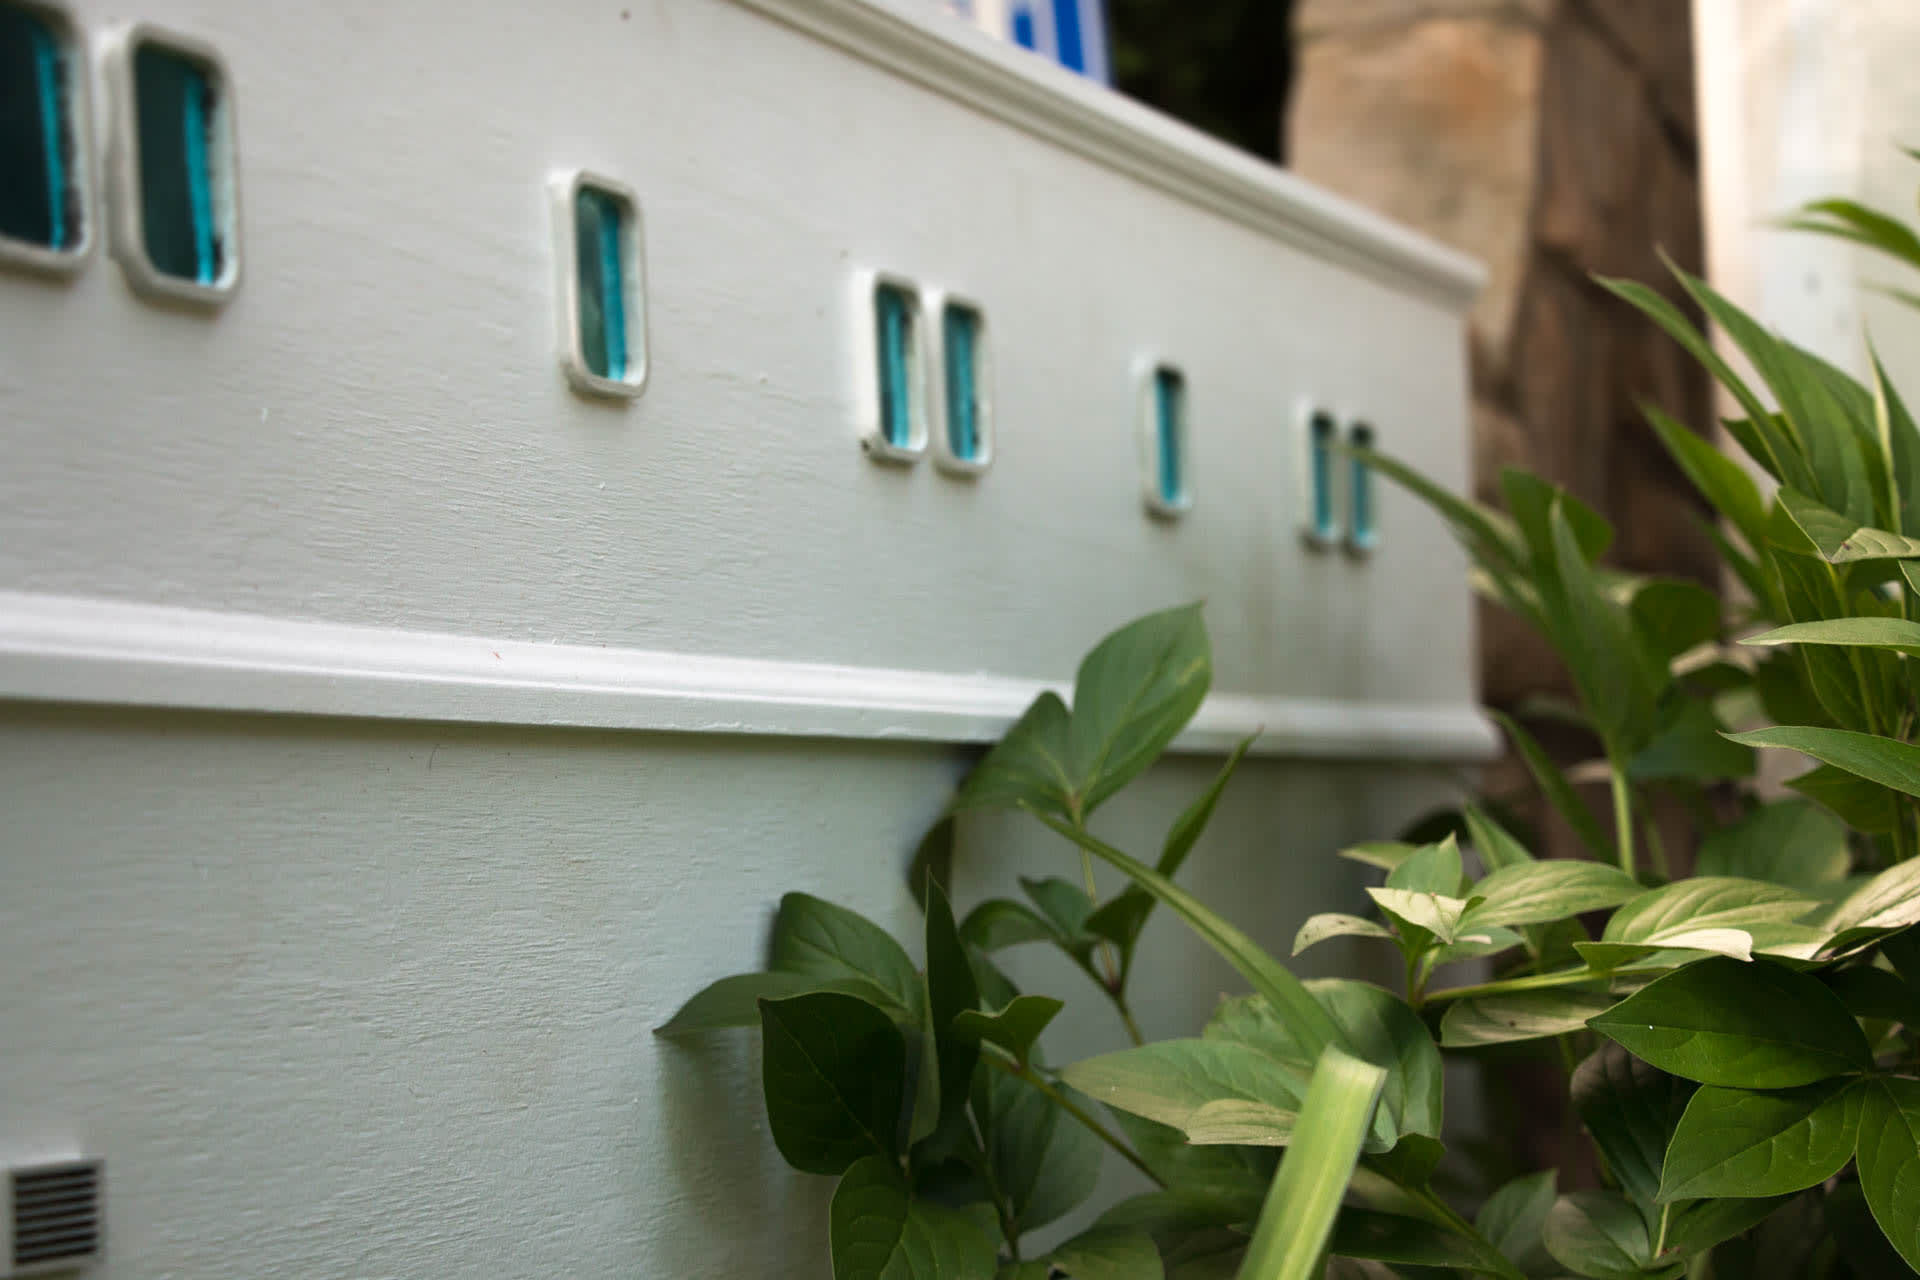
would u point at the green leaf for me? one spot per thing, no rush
(1732, 1142)
(1558, 791)
(1889, 1155)
(1630, 1110)
(1121, 918)
(951, 992)
(1169, 1081)
(1618, 678)
(1864, 805)
(877, 1231)
(1787, 842)
(1539, 892)
(1882, 760)
(1497, 847)
(1014, 1028)
(999, 923)
(1520, 1015)
(1332, 924)
(1434, 868)
(1674, 615)
(1848, 220)
(1514, 1218)
(1690, 743)
(1065, 905)
(1267, 977)
(1384, 854)
(1773, 451)
(1841, 539)
(1598, 1234)
(1225, 1184)
(1891, 900)
(815, 937)
(1699, 1226)
(1676, 915)
(834, 1071)
(735, 1001)
(1896, 634)
(1109, 1253)
(1753, 1026)
(1381, 1029)
(1031, 765)
(1291, 1236)
(1412, 1242)
(1720, 480)
(1044, 1161)
(1134, 693)
(932, 859)
(1436, 913)
(1869, 992)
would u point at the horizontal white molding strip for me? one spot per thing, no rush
(1072, 112)
(71, 650)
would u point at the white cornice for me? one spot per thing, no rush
(70, 650)
(1069, 111)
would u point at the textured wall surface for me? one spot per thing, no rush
(340, 996)
(345, 1000)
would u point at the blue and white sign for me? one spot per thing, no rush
(1071, 32)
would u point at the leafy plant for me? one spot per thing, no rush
(1741, 1046)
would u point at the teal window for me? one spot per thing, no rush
(600, 236)
(184, 170)
(1322, 433)
(895, 315)
(1170, 435)
(1360, 515)
(40, 172)
(960, 332)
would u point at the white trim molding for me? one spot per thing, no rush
(66, 649)
(1067, 110)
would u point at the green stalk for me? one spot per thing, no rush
(1528, 982)
(1622, 812)
(1291, 1239)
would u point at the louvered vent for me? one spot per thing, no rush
(55, 1217)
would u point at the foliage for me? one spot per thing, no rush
(1742, 1046)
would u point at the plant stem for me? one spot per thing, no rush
(1660, 1245)
(1126, 1016)
(1529, 982)
(1622, 813)
(1024, 1072)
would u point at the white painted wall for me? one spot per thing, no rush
(390, 737)
(1802, 100)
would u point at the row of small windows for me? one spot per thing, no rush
(170, 167)
(172, 183)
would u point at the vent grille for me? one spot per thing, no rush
(54, 1220)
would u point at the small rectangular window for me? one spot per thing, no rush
(895, 428)
(967, 442)
(1323, 522)
(43, 220)
(603, 340)
(175, 182)
(1165, 464)
(1360, 521)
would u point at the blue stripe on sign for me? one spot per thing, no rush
(1023, 34)
(46, 67)
(199, 180)
(1066, 35)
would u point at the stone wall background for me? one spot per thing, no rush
(1552, 139)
